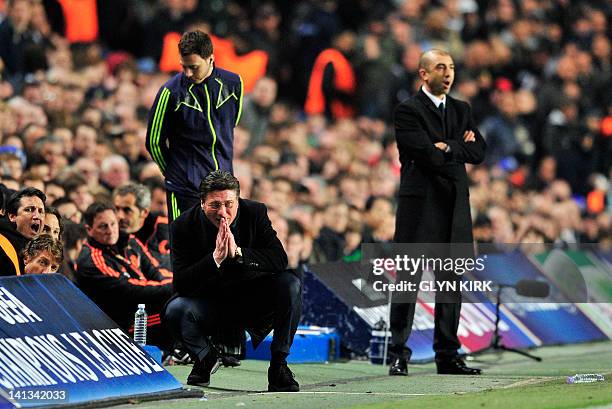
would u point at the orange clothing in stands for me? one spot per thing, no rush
(596, 201)
(81, 20)
(170, 60)
(344, 81)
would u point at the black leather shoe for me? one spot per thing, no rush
(229, 361)
(455, 366)
(280, 379)
(200, 374)
(399, 366)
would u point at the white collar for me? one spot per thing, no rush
(433, 98)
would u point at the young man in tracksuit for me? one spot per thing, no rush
(191, 133)
(191, 123)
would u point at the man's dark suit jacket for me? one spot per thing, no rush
(193, 243)
(434, 198)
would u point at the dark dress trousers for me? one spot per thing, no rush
(433, 204)
(256, 292)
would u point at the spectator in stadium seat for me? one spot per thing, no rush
(50, 150)
(256, 111)
(297, 254)
(332, 84)
(15, 36)
(25, 212)
(158, 195)
(87, 169)
(133, 204)
(79, 192)
(84, 143)
(43, 255)
(222, 251)
(54, 226)
(379, 218)
(114, 171)
(11, 164)
(68, 210)
(331, 241)
(119, 276)
(54, 190)
(74, 239)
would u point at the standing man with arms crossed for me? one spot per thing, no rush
(191, 123)
(436, 137)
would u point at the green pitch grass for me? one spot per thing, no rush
(509, 381)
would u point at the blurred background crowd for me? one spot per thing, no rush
(77, 82)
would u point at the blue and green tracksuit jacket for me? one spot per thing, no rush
(191, 128)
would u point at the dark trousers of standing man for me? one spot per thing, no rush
(446, 321)
(434, 240)
(253, 304)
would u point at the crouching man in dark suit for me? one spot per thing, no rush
(230, 271)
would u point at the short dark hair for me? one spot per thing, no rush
(95, 209)
(41, 243)
(196, 42)
(53, 210)
(12, 206)
(219, 180)
(62, 201)
(293, 227)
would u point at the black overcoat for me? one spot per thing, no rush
(433, 195)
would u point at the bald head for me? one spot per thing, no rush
(429, 57)
(437, 71)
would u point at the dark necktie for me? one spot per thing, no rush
(442, 113)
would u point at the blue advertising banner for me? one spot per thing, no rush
(336, 295)
(58, 347)
(554, 321)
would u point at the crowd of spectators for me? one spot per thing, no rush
(536, 72)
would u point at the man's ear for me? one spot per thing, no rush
(145, 212)
(12, 217)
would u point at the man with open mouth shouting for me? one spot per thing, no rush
(25, 215)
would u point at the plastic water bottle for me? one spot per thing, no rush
(140, 325)
(585, 378)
